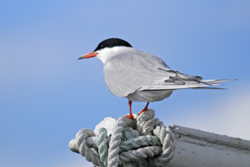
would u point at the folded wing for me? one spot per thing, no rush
(139, 71)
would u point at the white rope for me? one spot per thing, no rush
(144, 142)
(79, 145)
(102, 145)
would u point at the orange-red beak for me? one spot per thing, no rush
(88, 55)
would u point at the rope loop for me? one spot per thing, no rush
(79, 145)
(144, 142)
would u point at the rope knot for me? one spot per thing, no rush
(125, 142)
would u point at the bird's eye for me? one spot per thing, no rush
(101, 46)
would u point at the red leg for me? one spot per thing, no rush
(130, 111)
(145, 109)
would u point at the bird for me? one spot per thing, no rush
(140, 76)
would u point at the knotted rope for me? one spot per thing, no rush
(144, 142)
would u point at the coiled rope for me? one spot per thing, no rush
(145, 142)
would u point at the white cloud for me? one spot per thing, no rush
(235, 118)
(231, 117)
(77, 162)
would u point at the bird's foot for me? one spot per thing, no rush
(131, 117)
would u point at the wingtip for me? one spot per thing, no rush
(225, 80)
(214, 88)
(222, 80)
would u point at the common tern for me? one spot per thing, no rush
(140, 76)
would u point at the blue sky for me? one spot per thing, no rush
(47, 95)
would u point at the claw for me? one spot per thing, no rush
(131, 117)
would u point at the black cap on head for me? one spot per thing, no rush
(111, 42)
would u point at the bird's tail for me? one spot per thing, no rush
(188, 84)
(214, 82)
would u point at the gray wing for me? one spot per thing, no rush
(128, 72)
(139, 71)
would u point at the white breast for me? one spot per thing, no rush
(149, 96)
